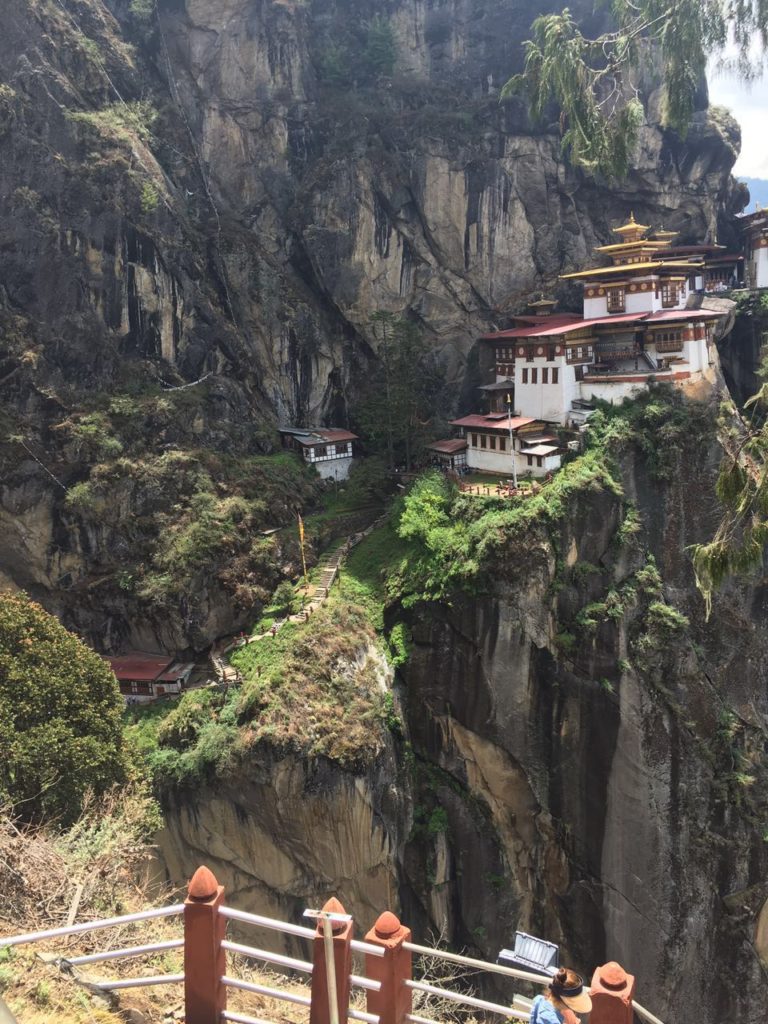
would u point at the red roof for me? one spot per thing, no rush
(139, 666)
(547, 329)
(449, 446)
(544, 331)
(333, 434)
(550, 318)
(493, 423)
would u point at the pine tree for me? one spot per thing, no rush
(380, 48)
(397, 407)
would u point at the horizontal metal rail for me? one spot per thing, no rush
(367, 983)
(160, 979)
(481, 965)
(642, 1012)
(419, 1020)
(90, 926)
(458, 997)
(265, 990)
(267, 922)
(115, 954)
(367, 947)
(272, 958)
(242, 1018)
(369, 1018)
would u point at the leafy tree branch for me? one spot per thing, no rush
(595, 81)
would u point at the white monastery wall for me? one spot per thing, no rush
(333, 468)
(595, 307)
(615, 392)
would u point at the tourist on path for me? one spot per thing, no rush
(564, 998)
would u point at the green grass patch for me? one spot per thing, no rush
(142, 723)
(313, 689)
(369, 570)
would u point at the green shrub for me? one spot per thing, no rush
(399, 644)
(60, 707)
(150, 197)
(142, 10)
(284, 599)
(380, 48)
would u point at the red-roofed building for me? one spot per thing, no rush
(450, 453)
(500, 443)
(328, 449)
(636, 328)
(144, 677)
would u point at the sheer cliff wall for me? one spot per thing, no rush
(227, 189)
(580, 761)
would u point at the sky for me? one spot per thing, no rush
(749, 105)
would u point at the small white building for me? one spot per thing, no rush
(755, 229)
(329, 449)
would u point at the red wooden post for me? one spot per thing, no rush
(321, 1012)
(394, 1000)
(612, 993)
(204, 960)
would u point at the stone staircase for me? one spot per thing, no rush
(327, 570)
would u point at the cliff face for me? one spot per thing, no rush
(584, 760)
(226, 190)
(609, 777)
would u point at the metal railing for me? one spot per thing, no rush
(387, 955)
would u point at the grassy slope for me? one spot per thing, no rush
(310, 690)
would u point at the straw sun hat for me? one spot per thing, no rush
(569, 989)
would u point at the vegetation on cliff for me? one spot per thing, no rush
(738, 545)
(597, 82)
(315, 688)
(60, 729)
(458, 541)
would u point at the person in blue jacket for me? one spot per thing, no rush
(565, 997)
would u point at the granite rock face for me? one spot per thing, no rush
(227, 190)
(601, 786)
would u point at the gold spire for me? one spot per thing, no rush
(631, 230)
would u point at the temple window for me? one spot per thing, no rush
(669, 294)
(616, 300)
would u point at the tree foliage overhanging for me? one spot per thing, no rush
(739, 543)
(60, 716)
(595, 81)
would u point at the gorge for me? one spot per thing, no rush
(202, 205)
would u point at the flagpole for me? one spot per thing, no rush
(303, 556)
(512, 442)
